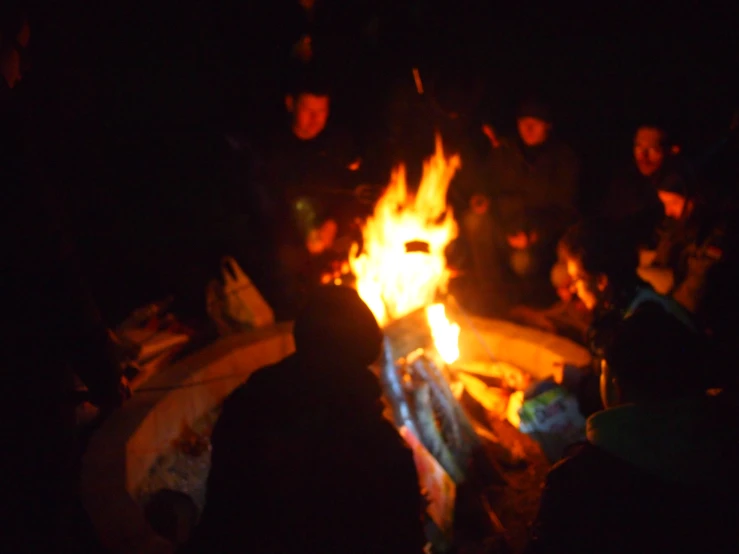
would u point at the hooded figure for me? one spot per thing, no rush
(657, 473)
(303, 459)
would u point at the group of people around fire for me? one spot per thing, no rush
(303, 457)
(648, 273)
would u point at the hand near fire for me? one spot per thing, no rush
(322, 238)
(355, 164)
(489, 132)
(523, 240)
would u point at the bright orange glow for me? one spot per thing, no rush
(444, 333)
(392, 281)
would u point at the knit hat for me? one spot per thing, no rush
(335, 325)
(534, 108)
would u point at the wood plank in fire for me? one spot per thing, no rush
(409, 333)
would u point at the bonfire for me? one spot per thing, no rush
(401, 266)
(400, 272)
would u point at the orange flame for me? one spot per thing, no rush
(444, 333)
(391, 280)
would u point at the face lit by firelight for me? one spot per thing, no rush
(591, 289)
(310, 114)
(649, 153)
(533, 131)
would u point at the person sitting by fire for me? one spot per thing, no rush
(693, 233)
(306, 185)
(685, 222)
(303, 459)
(631, 199)
(529, 203)
(632, 196)
(602, 262)
(657, 472)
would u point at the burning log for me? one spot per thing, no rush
(400, 269)
(421, 404)
(496, 374)
(408, 334)
(493, 398)
(418, 385)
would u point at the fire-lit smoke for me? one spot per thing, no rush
(392, 278)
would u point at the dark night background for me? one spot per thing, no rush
(134, 100)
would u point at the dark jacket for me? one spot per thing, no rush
(303, 461)
(632, 298)
(694, 248)
(535, 188)
(675, 235)
(465, 137)
(637, 296)
(632, 198)
(288, 170)
(649, 479)
(690, 246)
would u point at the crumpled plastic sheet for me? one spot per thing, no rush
(177, 470)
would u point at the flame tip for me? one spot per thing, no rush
(390, 281)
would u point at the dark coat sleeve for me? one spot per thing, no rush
(566, 521)
(504, 187)
(560, 211)
(567, 180)
(231, 492)
(635, 203)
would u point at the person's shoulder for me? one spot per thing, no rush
(509, 143)
(337, 137)
(647, 302)
(572, 484)
(257, 395)
(625, 173)
(582, 476)
(508, 149)
(563, 151)
(271, 374)
(277, 138)
(581, 461)
(337, 132)
(260, 383)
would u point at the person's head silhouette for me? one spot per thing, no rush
(336, 327)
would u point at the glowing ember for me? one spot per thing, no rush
(402, 264)
(444, 333)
